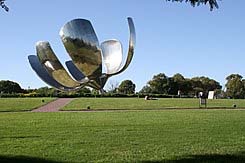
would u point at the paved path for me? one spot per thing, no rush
(54, 106)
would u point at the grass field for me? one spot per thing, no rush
(27, 104)
(141, 104)
(133, 136)
(22, 104)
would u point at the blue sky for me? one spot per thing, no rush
(171, 37)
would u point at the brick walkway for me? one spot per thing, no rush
(54, 106)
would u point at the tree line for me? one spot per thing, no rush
(179, 85)
(161, 84)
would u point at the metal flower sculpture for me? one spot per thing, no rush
(81, 43)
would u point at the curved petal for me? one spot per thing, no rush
(53, 66)
(81, 43)
(76, 74)
(43, 74)
(112, 55)
(132, 42)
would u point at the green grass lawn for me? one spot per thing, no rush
(27, 104)
(141, 104)
(22, 104)
(134, 136)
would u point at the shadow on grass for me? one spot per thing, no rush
(19, 137)
(212, 158)
(209, 158)
(25, 159)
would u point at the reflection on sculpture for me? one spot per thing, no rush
(81, 43)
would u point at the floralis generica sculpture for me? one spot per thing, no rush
(85, 66)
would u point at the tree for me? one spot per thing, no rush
(46, 91)
(159, 84)
(7, 86)
(212, 3)
(2, 4)
(84, 90)
(177, 83)
(126, 87)
(204, 84)
(146, 89)
(112, 87)
(233, 76)
(235, 86)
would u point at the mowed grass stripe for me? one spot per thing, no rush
(124, 136)
(22, 104)
(141, 104)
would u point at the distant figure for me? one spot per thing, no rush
(150, 98)
(179, 93)
(200, 95)
(146, 97)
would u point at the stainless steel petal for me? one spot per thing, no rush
(76, 74)
(132, 42)
(82, 45)
(44, 75)
(112, 55)
(53, 66)
(80, 41)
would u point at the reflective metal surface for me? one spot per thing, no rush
(132, 42)
(81, 43)
(53, 66)
(112, 55)
(43, 74)
(76, 74)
